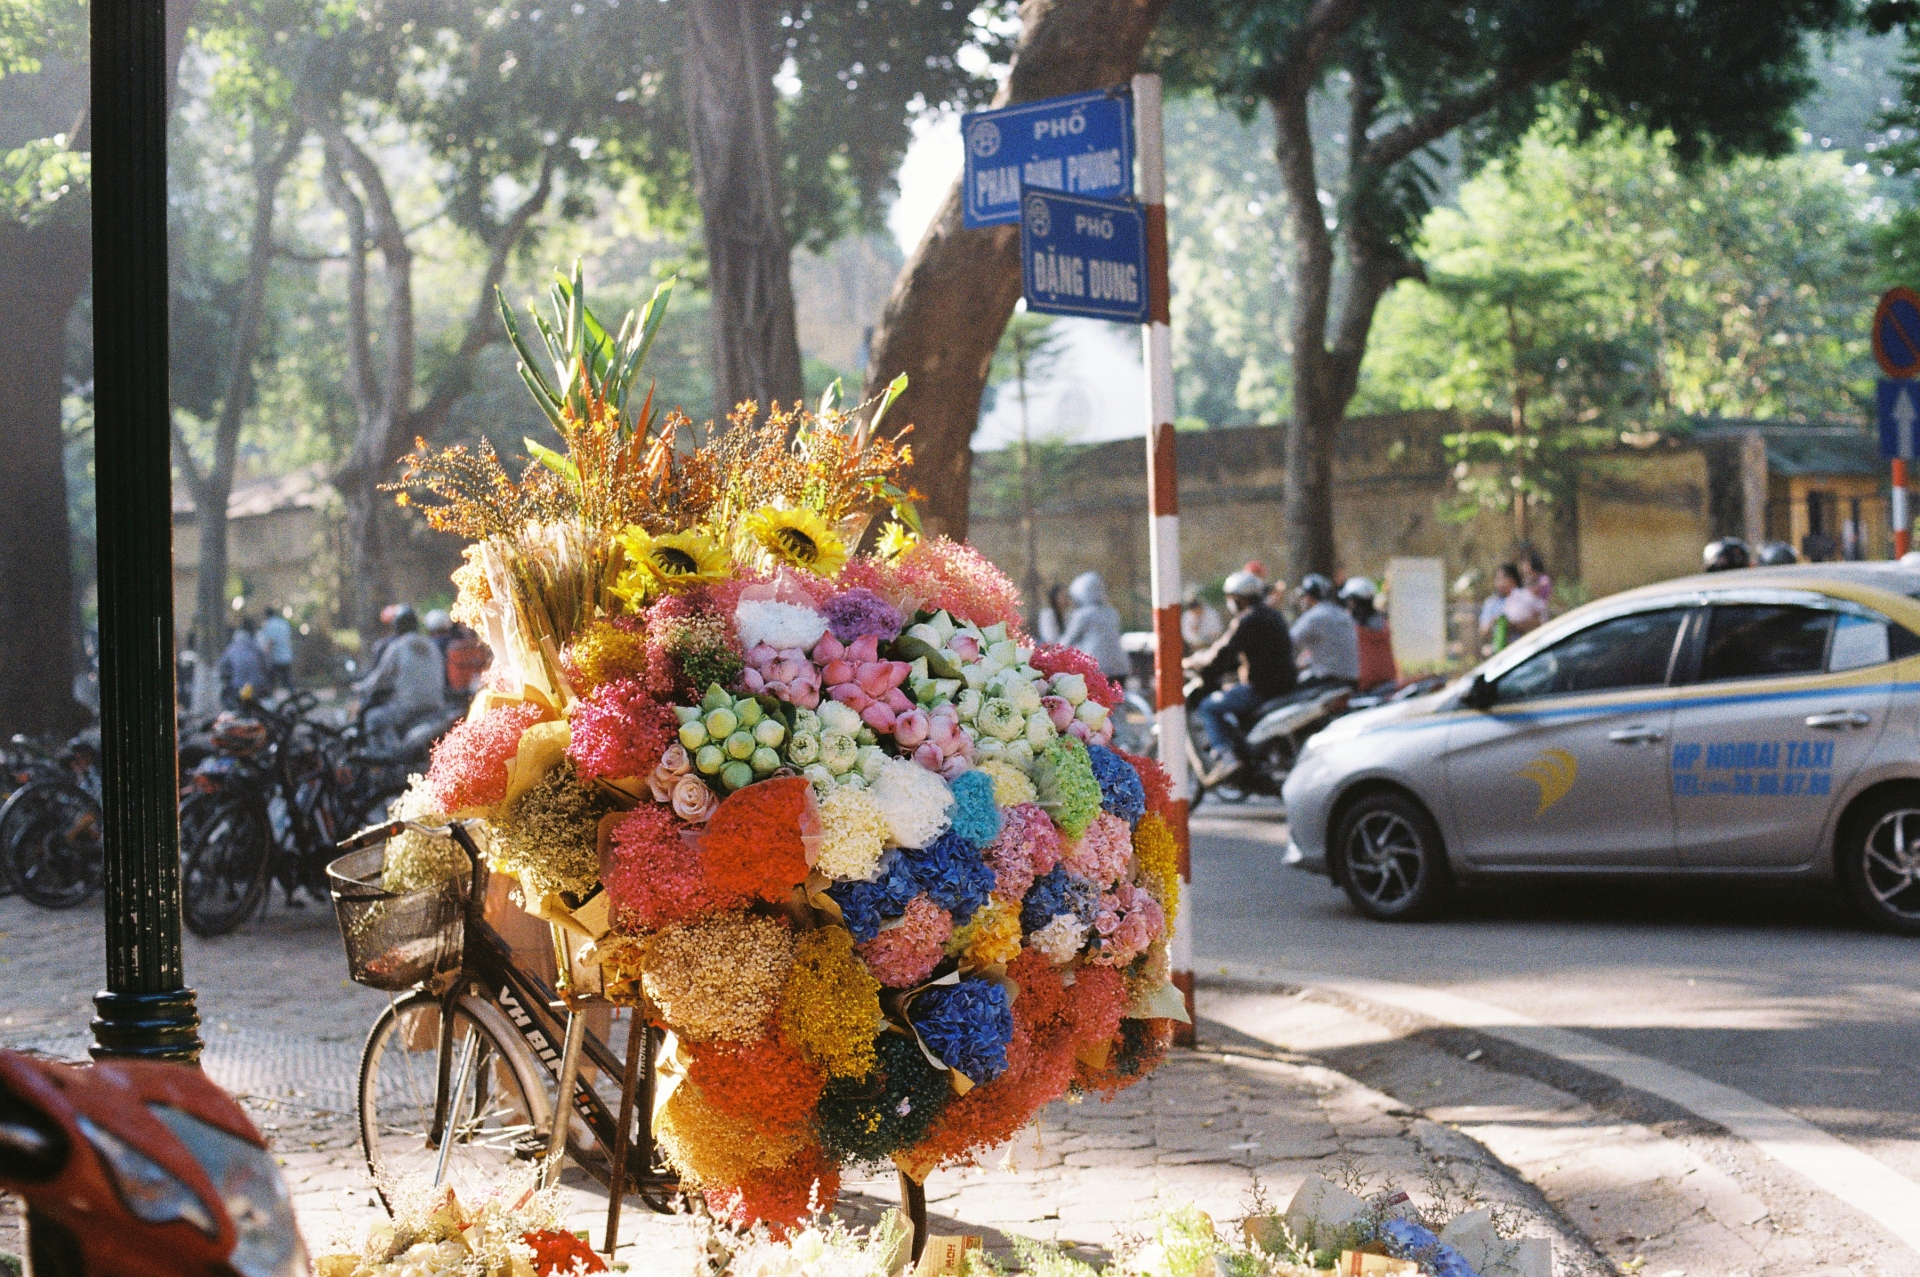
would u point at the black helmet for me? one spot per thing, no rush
(1724, 554)
(1775, 553)
(1315, 586)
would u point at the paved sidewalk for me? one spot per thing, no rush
(283, 1031)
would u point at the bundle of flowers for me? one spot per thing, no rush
(511, 1229)
(858, 844)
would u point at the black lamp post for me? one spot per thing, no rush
(146, 1010)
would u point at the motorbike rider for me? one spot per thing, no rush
(1257, 645)
(1725, 555)
(1777, 554)
(1325, 637)
(413, 674)
(243, 667)
(1377, 667)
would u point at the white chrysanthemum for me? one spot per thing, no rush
(1060, 940)
(915, 801)
(779, 625)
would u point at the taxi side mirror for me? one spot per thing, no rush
(1480, 694)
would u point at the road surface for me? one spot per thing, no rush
(1773, 991)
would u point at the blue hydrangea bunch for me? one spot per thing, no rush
(975, 816)
(949, 869)
(968, 1025)
(1121, 793)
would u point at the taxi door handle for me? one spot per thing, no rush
(1840, 719)
(1636, 736)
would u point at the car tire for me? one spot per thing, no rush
(1388, 857)
(1878, 854)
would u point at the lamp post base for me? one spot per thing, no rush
(146, 1026)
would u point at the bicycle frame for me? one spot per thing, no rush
(487, 968)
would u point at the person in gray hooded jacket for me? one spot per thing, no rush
(1094, 627)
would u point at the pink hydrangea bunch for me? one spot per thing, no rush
(1102, 853)
(783, 672)
(1127, 921)
(1028, 846)
(906, 954)
(855, 676)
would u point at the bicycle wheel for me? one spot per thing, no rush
(50, 839)
(223, 870)
(500, 1115)
(1133, 726)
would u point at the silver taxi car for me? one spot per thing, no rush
(1761, 722)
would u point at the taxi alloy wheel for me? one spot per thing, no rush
(1391, 861)
(1881, 862)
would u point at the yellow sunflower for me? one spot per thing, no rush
(636, 580)
(683, 560)
(800, 538)
(895, 540)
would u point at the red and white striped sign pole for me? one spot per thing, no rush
(1163, 499)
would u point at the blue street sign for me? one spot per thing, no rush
(1081, 143)
(1083, 257)
(1899, 409)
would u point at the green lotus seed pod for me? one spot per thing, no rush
(769, 732)
(738, 745)
(736, 775)
(721, 723)
(710, 759)
(764, 760)
(715, 699)
(749, 712)
(686, 713)
(693, 735)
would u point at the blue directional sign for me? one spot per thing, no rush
(1899, 410)
(1083, 257)
(1081, 143)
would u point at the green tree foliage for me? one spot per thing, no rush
(1579, 291)
(1721, 77)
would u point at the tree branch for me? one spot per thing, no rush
(1404, 139)
(483, 325)
(396, 258)
(361, 382)
(183, 457)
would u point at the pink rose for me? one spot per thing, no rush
(674, 760)
(693, 802)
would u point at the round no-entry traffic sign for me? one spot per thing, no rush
(1896, 333)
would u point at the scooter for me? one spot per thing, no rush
(140, 1169)
(1280, 729)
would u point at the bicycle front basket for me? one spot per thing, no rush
(395, 941)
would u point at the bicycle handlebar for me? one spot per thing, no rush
(454, 829)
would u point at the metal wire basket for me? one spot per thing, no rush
(396, 940)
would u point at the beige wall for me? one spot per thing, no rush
(1643, 518)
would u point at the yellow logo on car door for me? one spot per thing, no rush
(1554, 772)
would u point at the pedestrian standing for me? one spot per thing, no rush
(1094, 626)
(243, 668)
(1533, 573)
(1054, 613)
(276, 644)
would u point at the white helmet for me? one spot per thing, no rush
(1244, 585)
(1358, 587)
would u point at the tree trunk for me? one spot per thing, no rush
(42, 271)
(735, 141)
(213, 485)
(955, 294)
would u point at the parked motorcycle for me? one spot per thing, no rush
(140, 1169)
(267, 804)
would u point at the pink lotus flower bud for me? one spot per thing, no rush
(777, 688)
(878, 715)
(872, 678)
(863, 649)
(838, 670)
(944, 730)
(849, 694)
(897, 672)
(929, 757)
(828, 648)
(896, 700)
(788, 668)
(1105, 735)
(1080, 731)
(806, 695)
(911, 727)
(761, 655)
(962, 746)
(965, 646)
(954, 767)
(1059, 710)
(752, 681)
